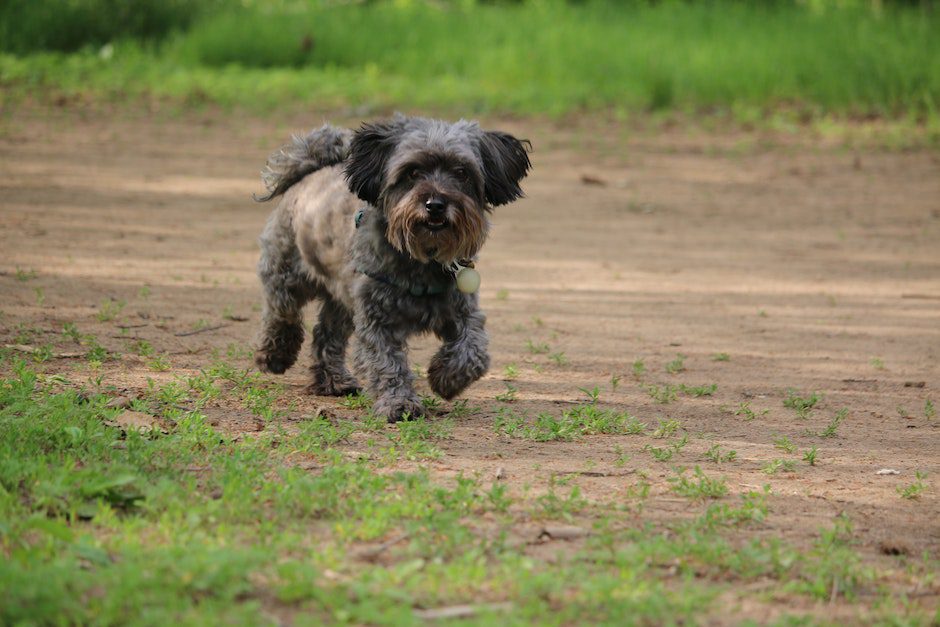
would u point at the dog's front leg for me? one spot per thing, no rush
(463, 357)
(380, 357)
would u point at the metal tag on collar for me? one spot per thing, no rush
(468, 279)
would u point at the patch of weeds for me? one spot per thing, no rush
(502, 294)
(25, 274)
(510, 372)
(833, 426)
(784, 444)
(509, 395)
(677, 365)
(929, 410)
(237, 351)
(700, 486)
(779, 465)
(508, 422)
(913, 491)
(318, 434)
(537, 348)
(615, 381)
(699, 390)
(159, 363)
(144, 291)
(110, 310)
(462, 409)
(666, 453)
(721, 357)
(553, 505)
(833, 567)
(356, 401)
(70, 331)
(537, 321)
(559, 358)
(762, 313)
(666, 428)
(810, 456)
(662, 394)
(877, 363)
(714, 454)
(639, 368)
(621, 458)
(753, 508)
(415, 436)
(800, 404)
(432, 403)
(744, 409)
(40, 296)
(143, 348)
(201, 324)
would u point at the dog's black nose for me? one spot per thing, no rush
(435, 206)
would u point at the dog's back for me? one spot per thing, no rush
(305, 154)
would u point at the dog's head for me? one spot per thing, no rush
(435, 182)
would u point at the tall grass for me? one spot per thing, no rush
(535, 57)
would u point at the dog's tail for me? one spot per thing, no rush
(318, 149)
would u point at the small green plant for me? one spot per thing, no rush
(509, 395)
(510, 372)
(784, 444)
(537, 348)
(537, 321)
(109, 310)
(660, 454)
(929, 410)
(800, 404)
(639, 368)
(699, 390)
(877, 363)
(615, 381)
(714, 454)
(70, 331)
(356, 401)
(159, 363)
(143, 348)
(502, 294)
(700, 486)
(810, 456)
(913, 491)
(677, 365)
(721, 357)
(744, 409)
(40, 296)
(592, 394)
(559, 358)
(431, 403)
(666, 428)
(144, 291)
(777, 465)
(24, 274)
(462, 409)
(833, 426)
(662, 394)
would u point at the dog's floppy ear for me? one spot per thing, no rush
(505, 162)
(369, 152)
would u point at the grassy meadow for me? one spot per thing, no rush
(740, 59)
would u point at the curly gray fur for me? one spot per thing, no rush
(427, 183)
(305, 154)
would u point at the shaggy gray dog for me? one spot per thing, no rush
(373, 224)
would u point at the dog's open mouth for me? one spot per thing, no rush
(435, 224)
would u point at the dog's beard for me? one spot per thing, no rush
(463, 236)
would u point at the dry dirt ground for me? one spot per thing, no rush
(814, 267)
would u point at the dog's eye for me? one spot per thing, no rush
(414, 173)
(462, 174)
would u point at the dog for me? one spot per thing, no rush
(374, 224)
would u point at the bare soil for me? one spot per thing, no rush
(813, 266)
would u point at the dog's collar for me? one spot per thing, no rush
(415, 289)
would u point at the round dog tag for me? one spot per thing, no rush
(468, 280)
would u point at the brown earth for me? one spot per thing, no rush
(813, 266)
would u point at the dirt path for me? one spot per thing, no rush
(813, 268)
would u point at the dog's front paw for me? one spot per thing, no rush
(448, 377)
(396, 408)
(279, 347)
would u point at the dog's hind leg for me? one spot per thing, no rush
(330, 337)
(286, 290)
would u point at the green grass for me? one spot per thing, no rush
(192, 526)
(744, 59)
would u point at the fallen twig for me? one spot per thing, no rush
(202, 330)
